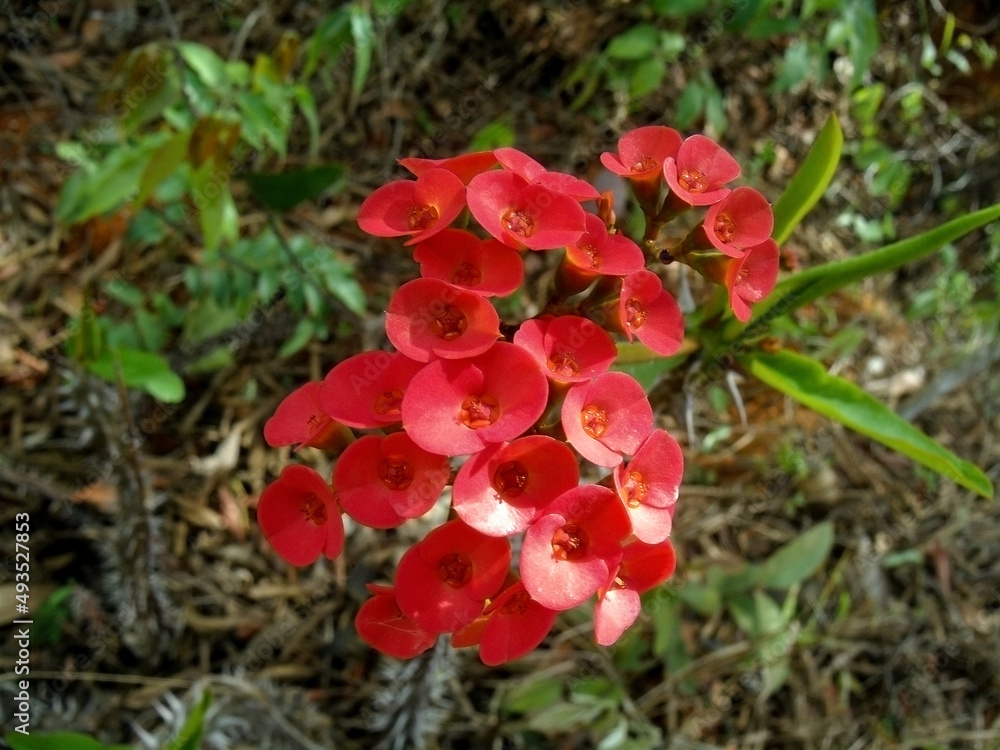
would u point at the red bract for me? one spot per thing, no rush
(648, 485)
(740, 220)
(301, 419)
(486, 267)
(748, 279)
(600, 253)
(366, 390)
(648, 312)
(570, 550)
(418, 207)
(464, 166)
(383, 481)
(430, 318)
(642, 567)
(641, 152)
(515, 625)
(523, 214)
(299, 516)
(458, 407)
(443, 581)
(568, 348)
(500, 490)
(522, 164)
(607, 417)
(700, 171)
(381, 625)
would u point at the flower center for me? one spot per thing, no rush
(519, 223)
(725, 228)
(643, 164)
(594, 420)
(450, 323)
(455, 569)
(510, 479)
(564, 364)
(395, 473)
(618, 583)
(479, 411)
(569, 543)
(421, 217)
(388, 402)
(634, 489)
(635, 314)
(314, 509)
(467, 275)
(593, 255)
(692, 180)
(516, 604)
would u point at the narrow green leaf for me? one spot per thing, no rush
(533, 695)
(363, 33)
(217, 214)
(807, 382)
(810, 181)
(796, 561)
(637, 43)
(283, 191)
(802, 288)
(189, 738)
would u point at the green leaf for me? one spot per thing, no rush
(207, 65)
(89, 193)
(646, 77)
(330, 39)
(304, 331)
(564, 716)
(807, 382)
(363, 33)
(307, 106)
(496, 134)
(800, 289)
(533, 695)
(217, 212)
(283, 191)
(704, 600)
(810, 181)
(189, 738)
(57, 741)
(637, 43)
(143, 370)
(796, 561)
(162, 164)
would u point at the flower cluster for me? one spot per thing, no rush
(504, 412)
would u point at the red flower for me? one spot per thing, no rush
(641, 152)
(643, 566)
(382, 626)
(748, 279)
(515, 625)
(443, 581)
(649, 313)
(430, 318)
(464, 166)
(740, 220)
(571, 549)
(366, 390)
(648, 485)
(486, 267)
(500, 490)
(458, 407)
(600, 253)
(300, 419)
(524, 214)
(420, 207)
(383, 481)
(700, 171)
(299, 516)
(568, 348)
(607, 417)
(558, 182)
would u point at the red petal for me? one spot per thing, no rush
(516, 626)
(283, 511)
(380, 624)
(299, 418)
(362, 391)
(614, 614)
